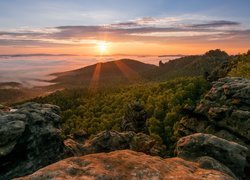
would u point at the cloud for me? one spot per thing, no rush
(32, 55)
(145, 29)
(158, 21)
(146, 20)
(213, 24)
(126, 24)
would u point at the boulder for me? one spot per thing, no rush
(226, 152)
(29, 139)
(207, 162)
(73, 148)
(125, 164)
(224, 112)
(10, 132)
(107, 141)
(145, 143)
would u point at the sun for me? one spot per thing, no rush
(102, 46)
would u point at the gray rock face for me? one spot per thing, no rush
(224, 112)
(29, 139)
(108, 141)
(207, 162)
(145, 143)
(9, 133)
(228, 153)
(228, 104)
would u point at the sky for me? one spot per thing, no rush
(128, 27)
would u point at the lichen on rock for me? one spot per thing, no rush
(125, 164)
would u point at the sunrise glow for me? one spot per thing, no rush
(82, 28)
(102, 47)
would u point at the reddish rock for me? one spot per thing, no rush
(125, 164)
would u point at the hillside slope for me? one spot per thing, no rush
(122, 71)
(188, 66)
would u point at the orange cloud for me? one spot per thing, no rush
(146, 35)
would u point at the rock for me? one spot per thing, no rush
(207, 162)
(80, 136)
(29, 139)
(224, 112)
(134, 118)
(144, 143)
(228, 153)
(125, 164)
(10, 132)
(73, 148)
(108, 141)
(4, 108)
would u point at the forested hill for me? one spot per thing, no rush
(191, 65)
(214, 64)
(122, 71)
(164, 103)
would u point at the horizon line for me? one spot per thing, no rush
(96, 55)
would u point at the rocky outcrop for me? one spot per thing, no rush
(207, 162)
(134, 118)
(224, 112)
(125, 164)
(29, 139)
(108, 141)
(230, 154)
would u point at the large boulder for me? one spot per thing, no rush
(107, 141)
(125, 164)
(224, 112)
(228, 153)
(29, 139)
(144, 143)
(207, 162)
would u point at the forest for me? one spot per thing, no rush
(162, 102)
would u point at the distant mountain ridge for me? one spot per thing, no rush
(127, 71)
(122, 71)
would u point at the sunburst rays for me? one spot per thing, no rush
(95, 78)
(127, 71)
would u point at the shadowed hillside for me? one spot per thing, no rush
(190, 65)
(13, 91)
(102, 74)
